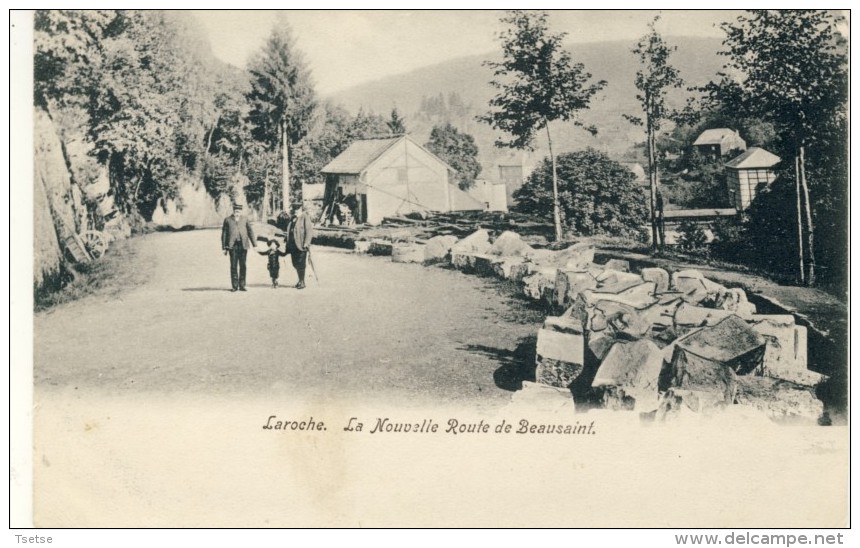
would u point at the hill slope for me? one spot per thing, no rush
(696, 58)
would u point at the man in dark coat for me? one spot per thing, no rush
(299, 236)
(237, 237)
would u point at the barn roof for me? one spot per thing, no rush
(715, 136)
(358, 155)
(754, 158)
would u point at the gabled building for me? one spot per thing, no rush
(378, 178)
(719, 142)
(748, 174)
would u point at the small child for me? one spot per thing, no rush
(275, 254)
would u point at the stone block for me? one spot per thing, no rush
(780, 400)
(785, 354)
(633, 370)
(466, 262)
(438, 248)
(407, 253)
(380, 247)
(569, 284)
(622, 320)
(599, 345)
(540, 284)
(688, 317)
(696, 288)
(542, 398)
(543, 257)
(591, 309)
(559, 357)
(657, 275)
(511, 268)
(579, 256)
(619, 265)
(640, 295)
(566, 323)
(561, 346)
(617, 279)
(476, 242)
(689, 371)
(660, 314)
(362, 246)
(730, 343)
(735, 300)
(510, 244)
(484, 265)
(677, 402)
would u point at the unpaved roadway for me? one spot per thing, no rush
(150, 411)
(369, 330)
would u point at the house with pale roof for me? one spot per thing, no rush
(719, 142)
(748, 174)
(390, 177)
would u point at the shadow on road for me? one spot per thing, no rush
(517, 365)
(205, 289)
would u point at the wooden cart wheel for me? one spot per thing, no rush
(95, 243)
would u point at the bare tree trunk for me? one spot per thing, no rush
(265, 206)
(556, 209)
(652, 179)
(799, 220)
(285, 165)
(810, 278)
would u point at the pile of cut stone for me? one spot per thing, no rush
(648, 341)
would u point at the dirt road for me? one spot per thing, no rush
(369, 330)
(151, 411)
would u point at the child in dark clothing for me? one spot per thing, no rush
(275, 254)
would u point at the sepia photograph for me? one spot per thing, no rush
(431, 269)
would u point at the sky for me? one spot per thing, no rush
(346, 48)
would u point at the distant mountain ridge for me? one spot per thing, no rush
(696, 59)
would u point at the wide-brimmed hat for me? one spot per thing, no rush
(238, 207)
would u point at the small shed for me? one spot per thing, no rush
(748, 173)
(378, 178)
(719, 142)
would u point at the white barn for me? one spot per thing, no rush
(378, 178)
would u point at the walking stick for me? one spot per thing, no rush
(313, 268)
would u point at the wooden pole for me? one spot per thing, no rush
(556, 209)
(799, 219)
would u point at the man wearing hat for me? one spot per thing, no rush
(299, 236)
(237, 237)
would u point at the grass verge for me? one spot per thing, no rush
(117, 271)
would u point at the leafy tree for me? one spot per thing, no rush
(788, 67)
(396, 125)
(68, 54)
(598, 195)
(458, 150)
(692, 236)
(653, 81)
(282, 97)
(334, 130)
(538, 83)
(366, 125)
(228, 143)
(142, 116)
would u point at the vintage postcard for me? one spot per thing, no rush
(497, 269)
